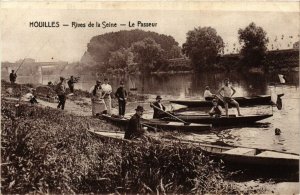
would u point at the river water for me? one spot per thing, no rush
(190, 86)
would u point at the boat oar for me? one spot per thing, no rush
(185, 123)
(151, 127)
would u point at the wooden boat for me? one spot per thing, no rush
(159, 124)
(243, 101)
(236, 156)
(221, 121)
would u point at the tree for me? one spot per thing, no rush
(254, 41)
(120, 58)
(147, 53)
(202, 46)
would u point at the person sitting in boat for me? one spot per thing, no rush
(98, 105)
(158, 108)
(208, 96)
(228, 92)
(216, 111)
(134, 128)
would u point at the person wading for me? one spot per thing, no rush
(13, 77)
(98, 105)
(121, 94)
(107, 89)
(134, 128)
(61, 93)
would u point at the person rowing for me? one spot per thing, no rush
(158, 108)
(228, 92)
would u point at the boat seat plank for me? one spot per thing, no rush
(277, 155)
(241, 151)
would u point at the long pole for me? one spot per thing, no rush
(170, 114)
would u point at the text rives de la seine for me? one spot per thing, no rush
(103, 24)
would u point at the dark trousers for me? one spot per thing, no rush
(62, 101)
(71, 88)
(122, 106)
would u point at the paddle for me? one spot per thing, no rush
(154, 128)
(185, 123)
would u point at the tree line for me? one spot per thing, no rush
(138, 50)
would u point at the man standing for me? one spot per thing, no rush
(71, 82)
(158, 108)
(13, 77)
(134, 129)
(107, 89)
(121, 94)
(228, 92)
(61, 93)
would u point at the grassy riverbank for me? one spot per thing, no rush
(48, 151)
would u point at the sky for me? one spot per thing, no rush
(66, 43)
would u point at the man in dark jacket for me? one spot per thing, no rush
(71, 83)
(121, 94)
(134, 128)
(158, 108)
(12, 77)
(61, 93)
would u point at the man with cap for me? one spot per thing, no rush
(98, 105)
(107, 89)
(61, 93)
(121, 94)
(158, 108)
(134, 128)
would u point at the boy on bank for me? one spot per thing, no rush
(228, 92)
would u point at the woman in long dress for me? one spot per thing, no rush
(98, 105)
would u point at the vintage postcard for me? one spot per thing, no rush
(143, 97)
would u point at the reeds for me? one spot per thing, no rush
(47, 151)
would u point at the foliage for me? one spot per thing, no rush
(47, 151)
(100, 46)
(254, 41)
(148, 52)
(121, 58)
(202, 46)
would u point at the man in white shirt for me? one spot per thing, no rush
(107, 89)
(208, 96)
(228, 92)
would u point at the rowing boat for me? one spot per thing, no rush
(237, 156)
(220, 121)
(243, 101)
(159, 124)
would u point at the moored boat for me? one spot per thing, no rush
(243, 101)
(160, 125)
(237, 156)
(220, 121)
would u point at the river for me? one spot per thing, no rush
(191, 86)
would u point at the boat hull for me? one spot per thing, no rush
(223, 120)
(161, 125)
(243, 101)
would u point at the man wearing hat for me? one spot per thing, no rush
(98, 105)
(158, 108)
(121, 94)
(134, 128)
(61, 93)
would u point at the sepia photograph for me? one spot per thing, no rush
(137, 97)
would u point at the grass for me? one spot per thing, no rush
(48, 151)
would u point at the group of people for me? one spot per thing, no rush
(224, 95)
